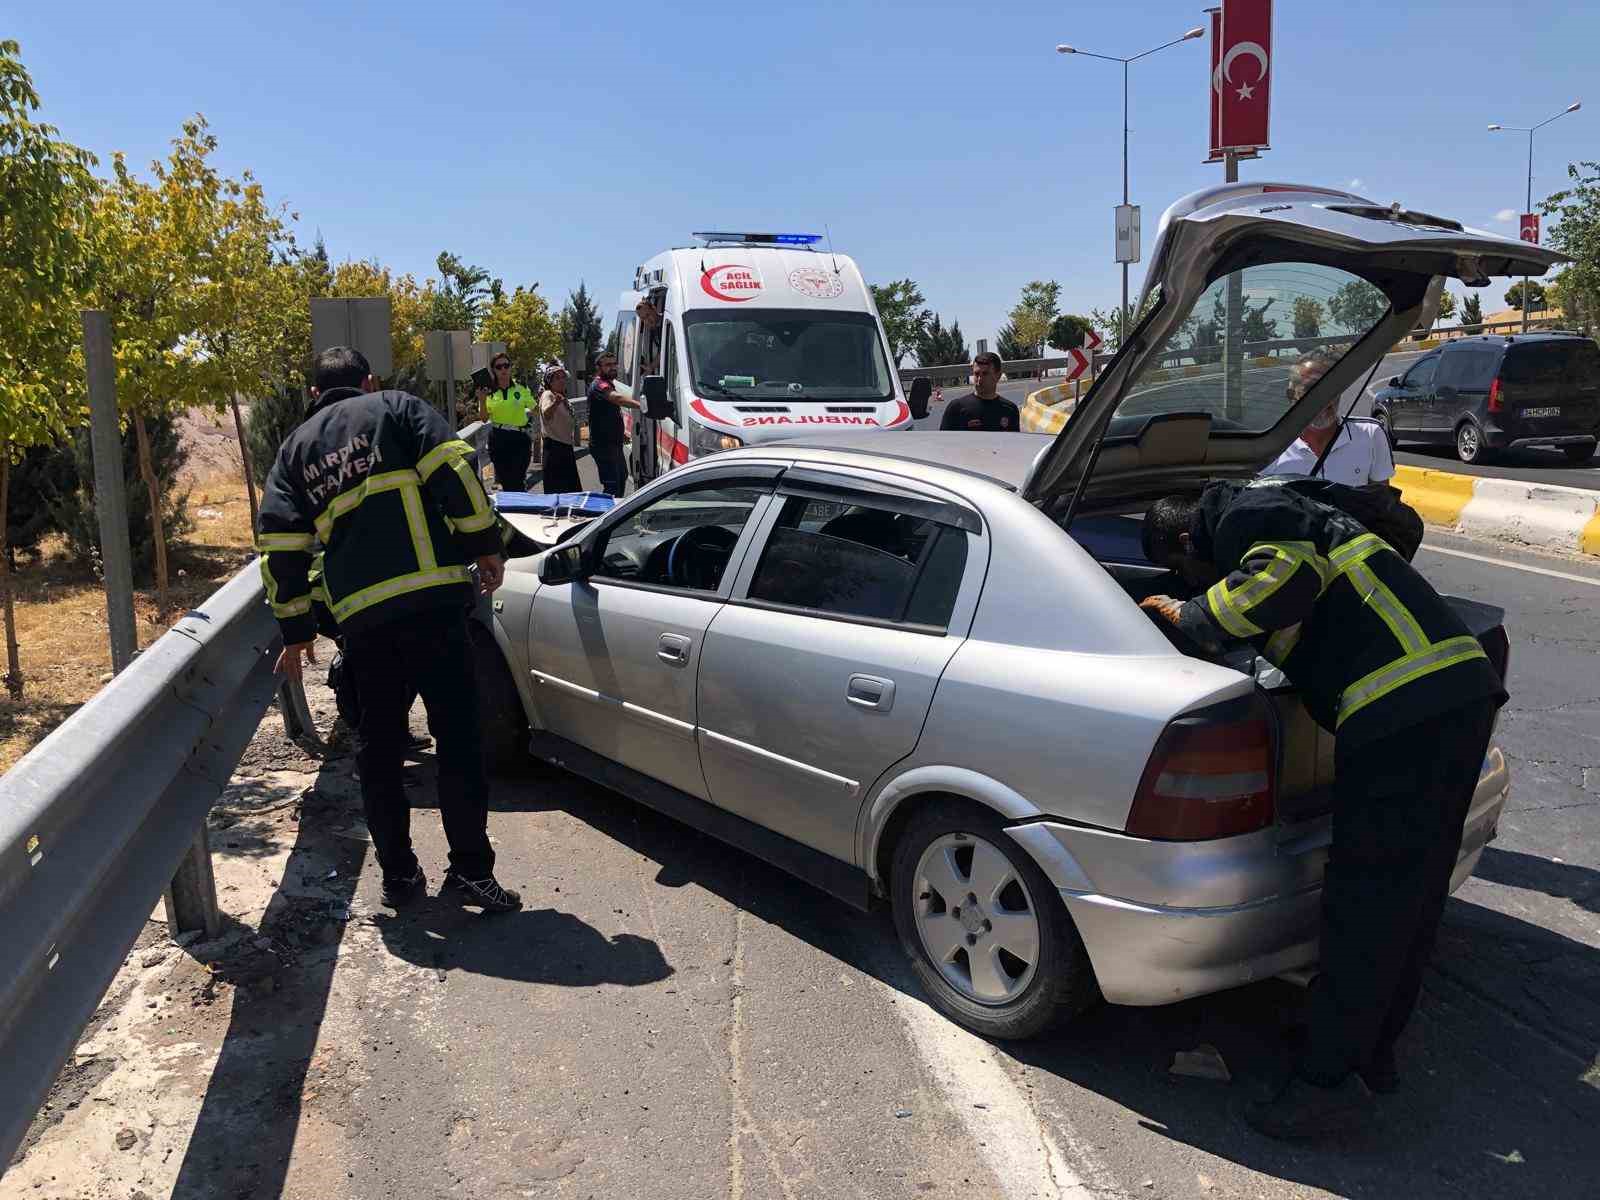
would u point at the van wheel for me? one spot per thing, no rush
(987, 935)
(1469, 443)
(502, 725)
(1580, 453)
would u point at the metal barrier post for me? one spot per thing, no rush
(110, 494)
(191, 897)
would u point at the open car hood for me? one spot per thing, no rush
(1198, 413)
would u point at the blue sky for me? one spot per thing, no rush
(946, 142)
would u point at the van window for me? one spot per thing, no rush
(1421, 375)
(627, 344)
(1539, 364)
(1467, 370)
(1583, 371)
(853, 560)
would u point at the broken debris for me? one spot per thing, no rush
(1203, 1062)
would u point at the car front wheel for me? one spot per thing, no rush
(986, 932)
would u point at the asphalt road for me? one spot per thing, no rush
(674, 1019)
(1532, 466)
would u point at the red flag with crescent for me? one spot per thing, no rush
(1241, 81)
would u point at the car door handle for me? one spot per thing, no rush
(673, 649)
(869, 691)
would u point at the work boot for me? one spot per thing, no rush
(402, 890)
(485, 893)
(1382, 1073)
(1303, 1110)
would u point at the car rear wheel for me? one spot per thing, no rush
(1581, 453)
(1469, 443)
(986, 932)
(503, 726)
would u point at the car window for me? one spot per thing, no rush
(1467, 370)
(854, 560)
(1421, 375)
(1536, 365)
(685, 539)
(1583, 371)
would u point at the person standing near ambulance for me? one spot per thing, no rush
(389, 490)
(509, 406)
(605, 425)
(560, 434)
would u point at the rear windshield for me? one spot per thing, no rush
(1536, 364)
(1286, 323)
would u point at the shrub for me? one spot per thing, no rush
(38, 481)
(271, 418)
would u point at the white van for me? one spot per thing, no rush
(759, 337)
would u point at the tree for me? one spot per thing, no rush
(1536, 296)
(581, 322)
(1357, 306)
(905, 320)
(1255, 326)
(1067, 331)
(48, 191)
(1576, 233)
(940, 346)
(1107, 321)
(462, 295)
(1472, 313)
(1035, 312)
(1009, 346)
(1447, 307)
(1308, 314)
(523, 322)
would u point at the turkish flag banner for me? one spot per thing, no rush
(1530, 228)
(1213, 92)
(1242, 76)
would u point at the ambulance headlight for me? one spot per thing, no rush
(709, 441)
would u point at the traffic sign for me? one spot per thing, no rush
(1091, 340)
(362, 324)
(449, 354)
(1078, 365)
(1530, 228)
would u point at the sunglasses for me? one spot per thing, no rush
(501, 366)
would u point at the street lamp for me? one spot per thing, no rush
(1529, 130)
(1066, 49)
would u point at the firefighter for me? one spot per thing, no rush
(1381, 660)
(389, 491)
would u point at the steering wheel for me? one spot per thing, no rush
(699, 555)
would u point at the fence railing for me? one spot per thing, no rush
(107, 814)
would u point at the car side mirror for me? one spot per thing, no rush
(564, 564)
(657, 404)
(1394, 381)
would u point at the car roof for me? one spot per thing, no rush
(1002, 458)
(1498, 340)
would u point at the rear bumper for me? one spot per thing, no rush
(1501, 440)
(1163, 921)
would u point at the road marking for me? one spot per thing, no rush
(1501, 562)
(1014, 1142)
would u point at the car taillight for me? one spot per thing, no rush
(1212, 774)
(1494, 395)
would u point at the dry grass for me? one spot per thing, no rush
(61, 612)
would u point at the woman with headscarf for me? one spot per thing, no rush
(560, 434)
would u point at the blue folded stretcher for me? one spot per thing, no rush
(537, 503)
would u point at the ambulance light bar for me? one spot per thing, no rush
(761, 239)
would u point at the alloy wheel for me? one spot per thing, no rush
(976, 919)
(1468, 442)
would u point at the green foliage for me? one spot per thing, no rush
(905, 319)
(581, 322)
(74, 511)
(1034, 314)
(271, 418)
(464, 291)
(1472, 314)
(40, 478)
(1357, 306)
(940, 346)
(523, 322)
(1576, 233)
(1008, 346)
(1536, 295)
(1067, 331)
(1308, 314)
(1447, 305)
(1256, 327)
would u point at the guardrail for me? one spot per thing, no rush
(108, 813)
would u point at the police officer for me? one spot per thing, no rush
(509, 406)
(381, 481)
(1382, 660)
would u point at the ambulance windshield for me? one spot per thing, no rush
(789, 356)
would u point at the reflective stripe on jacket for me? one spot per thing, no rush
(509, 406)
(382, 483)
(1367, 641)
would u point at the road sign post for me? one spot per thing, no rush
(449, 357)
(110, 488)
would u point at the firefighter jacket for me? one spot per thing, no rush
(388, 491)
(1370, 645)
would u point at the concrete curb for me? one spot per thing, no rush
(1505, 510)
(1046, 410)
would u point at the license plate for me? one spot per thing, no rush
(1541, 412)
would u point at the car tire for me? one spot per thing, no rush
(502, 725)
(1580, 454)
(1469, 443)
(1385, 423)
(1057, 984)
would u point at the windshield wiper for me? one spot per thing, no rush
(702, 385)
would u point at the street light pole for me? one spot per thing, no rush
(1122, 323)
(1530, 130)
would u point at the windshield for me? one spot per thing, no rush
(1252, 344)
(789, 356)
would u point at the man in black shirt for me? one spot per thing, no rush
(982, 408)
(605, 426)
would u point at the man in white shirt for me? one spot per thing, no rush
(1360, 455)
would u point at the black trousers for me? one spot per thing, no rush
(560, 468)
(612, 464)
(1399, 805)
(510, 451)
(427, 653)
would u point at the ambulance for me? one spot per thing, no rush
(750, 338)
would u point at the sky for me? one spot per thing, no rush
(944, 142)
